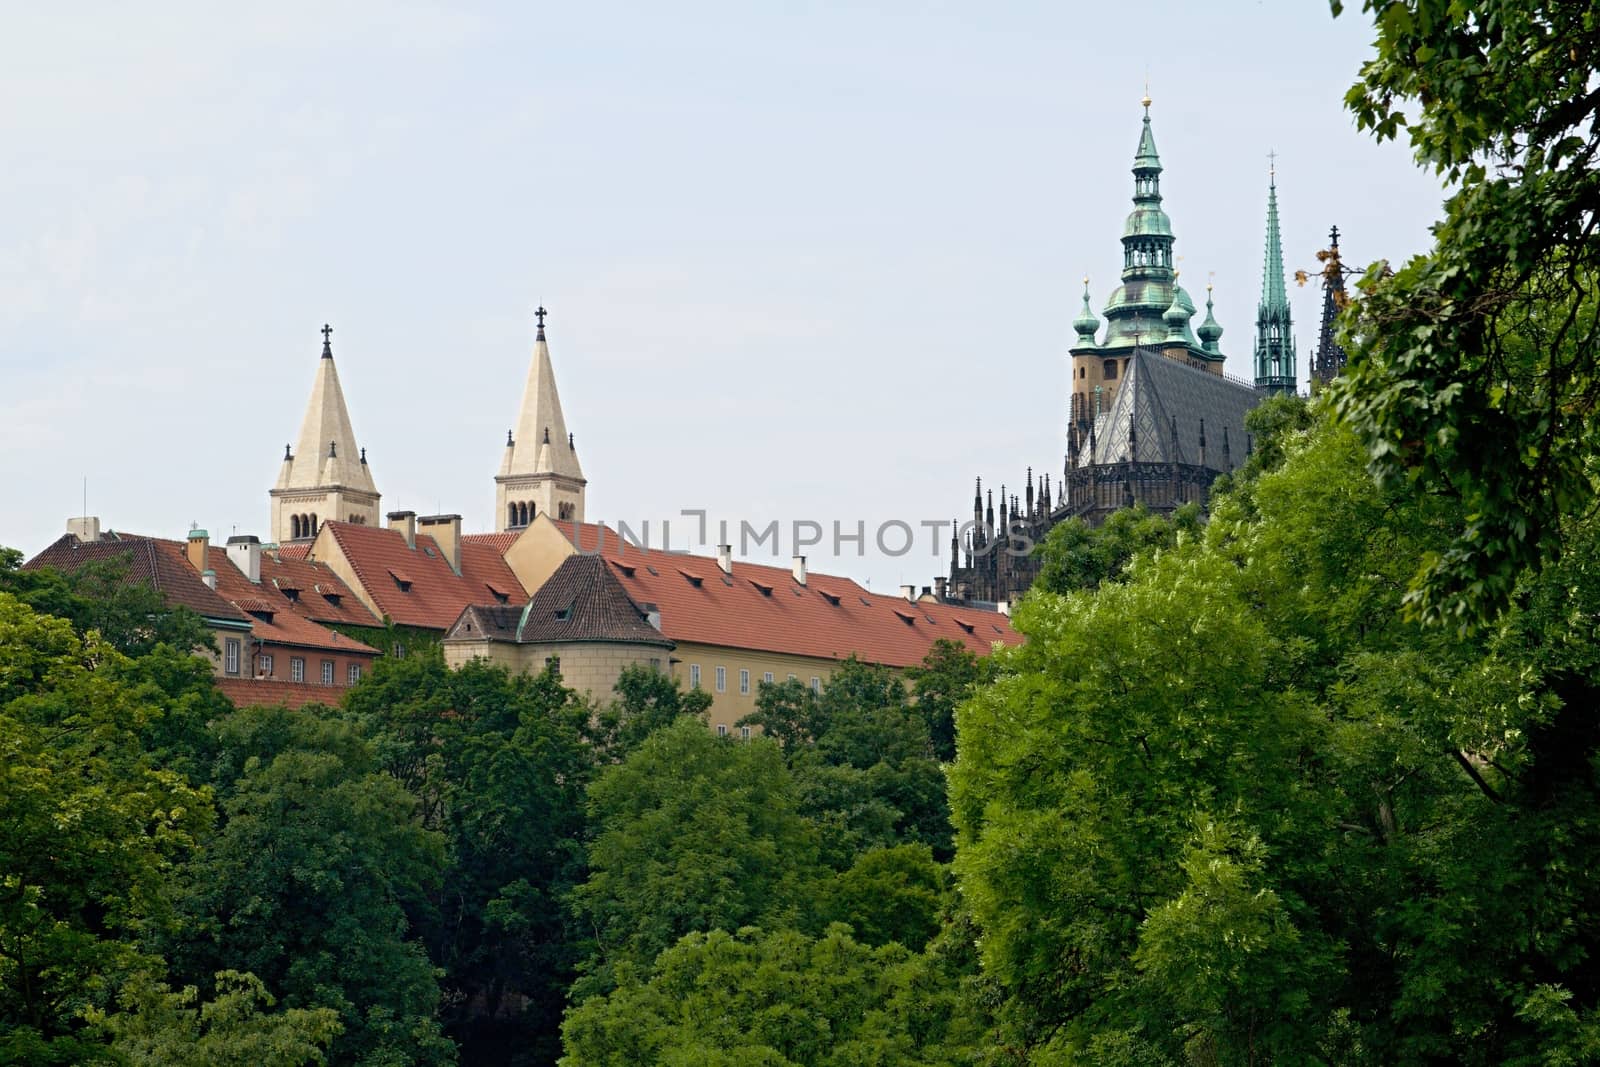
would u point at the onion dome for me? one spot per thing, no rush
(1086, 324)
(1210, 332)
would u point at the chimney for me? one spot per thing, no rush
(800, 570)
(199, 541)
(725, 558)
(940, 585)
(245, 552)
(208, 576)
(84, 528)
(927, 591)
(909, 592)
(1004, 608)
(446, 530)
(406, 523)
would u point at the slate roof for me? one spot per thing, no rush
(763, 608)
(1167, 405)
(415, 586)
(149, 560)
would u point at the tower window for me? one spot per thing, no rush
(1109, 370)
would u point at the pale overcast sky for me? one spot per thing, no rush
(803, 261)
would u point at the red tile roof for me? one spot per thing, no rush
(322, 595)
(276, 619)
(435, 595)
(161, 563)
(764, 608)
(269, 693)
(500, 542)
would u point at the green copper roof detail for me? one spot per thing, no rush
(1086, 324)
(1275, 364)
(1176, 317)
(1210, 331)
(1146, 158)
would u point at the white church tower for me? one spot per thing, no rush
(539, 474)
(325, 476)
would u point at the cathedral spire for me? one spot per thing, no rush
(1275, 364)
(324, 473)
(539, 471)
(1329, 360)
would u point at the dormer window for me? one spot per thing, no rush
(401, 580)
(499, 596)
(333, 598)
(290, 593)
(766, 590)
(908, 619)
(694, 579)
(830, 597)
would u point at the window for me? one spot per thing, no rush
(744, 682)
(722, 679)
(744, 733)
(297, 669)
(694, 676)
(400, 649)
(553, 665)
(1109, 370)
(266, 666)
(327, 672)
(722, 729)
(1083, 372)
(353, 673)
(816, 685)
(767, 677)
(230, 655)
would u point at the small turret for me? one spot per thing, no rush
(1086, 324)
(1210, 332)
(1176, 316)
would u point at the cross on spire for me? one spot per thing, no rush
(540, 313)
(327, 340)
(1333, 235)
(1272, 163)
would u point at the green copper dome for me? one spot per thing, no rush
(1086, 324)
(1177, 316)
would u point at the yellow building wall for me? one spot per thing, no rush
(729, 705)
(590, 667)
(537, 553)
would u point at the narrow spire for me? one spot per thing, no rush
(1275, 362)
(1330, 357)
(540, 420)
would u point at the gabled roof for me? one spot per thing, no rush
(161, 564)
(433, 596)
(275, 618)
(1161, 410)
(763, 608)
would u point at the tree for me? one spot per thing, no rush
(945, 677)
(130, 616)
(89, 829)
(647, 700)
(303, 885)
(1475, 368)
(160, 1027)
(692, 832)
(778, 998)
(1075, 555)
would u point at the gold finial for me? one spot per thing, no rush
(1211, 280)
(1086, 281)
(1146, 99)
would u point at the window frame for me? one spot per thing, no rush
(297, 668)
(264, 661)
(352, 674)
(694, 676)
(744, 682)
(232, 655)
(327, 672)
(722, 679)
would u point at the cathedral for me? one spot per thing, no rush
(1152, 418)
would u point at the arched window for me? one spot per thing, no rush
(1083, 372)
(1109, 370)
(313, 532)
(511, 514)
(294, 527)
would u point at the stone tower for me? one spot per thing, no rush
(1275, 369)
(324, 476)
(1328, 363)
(539, 474)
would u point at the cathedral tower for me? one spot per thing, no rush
(1275, 369)
(1148, 310)
(1328, 363)
(539, 473)
(325, 476)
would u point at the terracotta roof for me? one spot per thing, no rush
(274, 617)
(500, 542)
(268, 692)
(581, 601)
(764, 608)
(435, 595)
(161, 563)
(321, 594)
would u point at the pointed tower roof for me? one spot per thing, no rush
(325, 454)
(541, 444)
(1275, 362)
(1330, 356)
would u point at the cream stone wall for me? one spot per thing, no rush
(546, 493)
(729, 705)
(339, 504)
(591, 667)
(537, 553)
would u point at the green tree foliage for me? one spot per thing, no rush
(89, 830)
(1475, 369)
(303, 884)
(946, 676)
(159, 1027)
(780, 999)
(1075, 555)
(692, 832)
(500, 762)
(1235, 808)
(647, 700)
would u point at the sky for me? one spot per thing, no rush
(803, 262)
